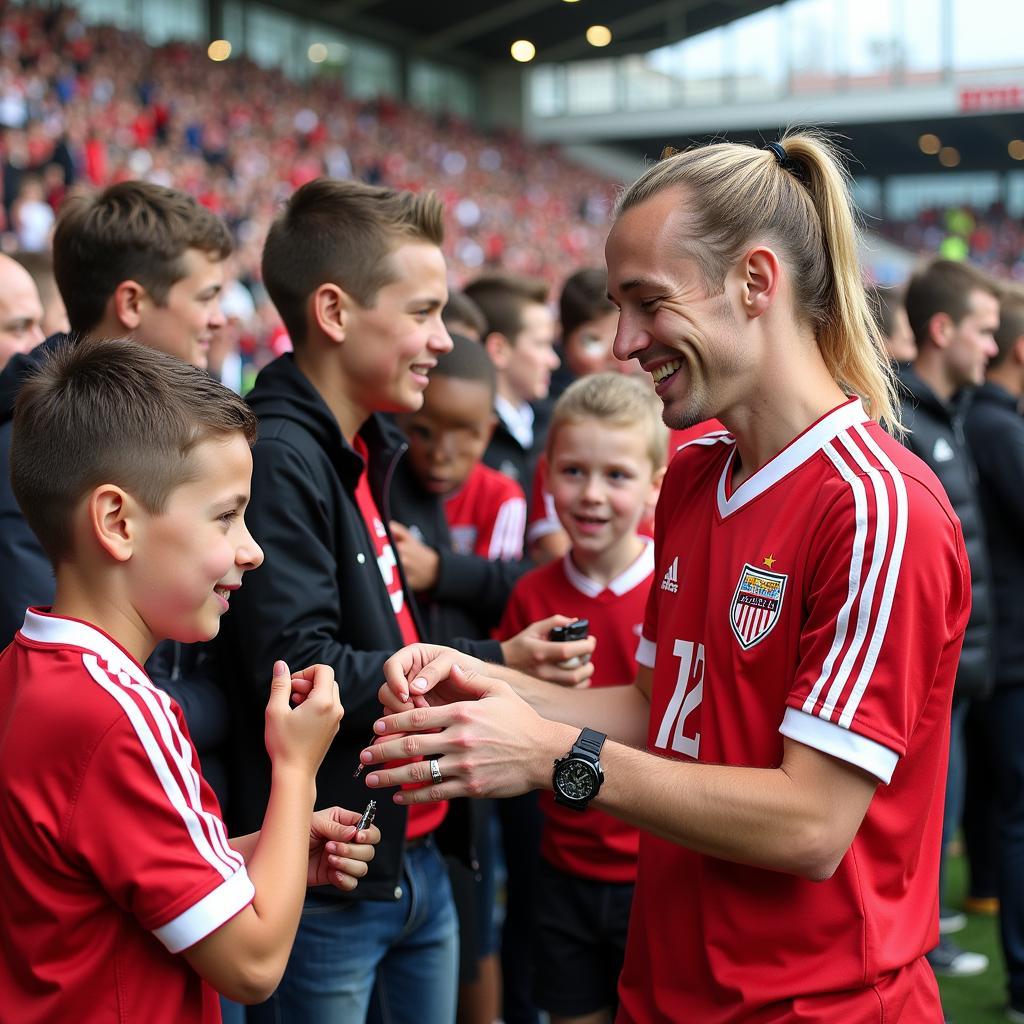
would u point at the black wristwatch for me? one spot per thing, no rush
(578, 776)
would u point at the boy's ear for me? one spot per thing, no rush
(499, 349)
(329, 308)
(656, 482)
(111, 514)
(127, 303)
(939, 329)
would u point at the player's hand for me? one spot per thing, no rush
(494, 745)
(419, 675)
(420, 562)
(533, 653)
(338, 854)
(299, 736)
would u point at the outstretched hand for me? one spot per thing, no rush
(489, 743)
(338, 854)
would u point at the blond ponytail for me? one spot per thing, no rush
(803, 204)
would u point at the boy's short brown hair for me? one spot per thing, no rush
(584, 297)
(943, 286)
(342, 232)
(618, 401)
(115, 412)
(131, 231)
(503, 297)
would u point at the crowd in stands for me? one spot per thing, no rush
(989, 237)
(95, 105)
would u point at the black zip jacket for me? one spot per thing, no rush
(179, 669)
(995, 433)
(318, 598)
(936, 435)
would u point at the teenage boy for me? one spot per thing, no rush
(954, 312)
(606, 452)
(357, 275)
(123, 897)
(143, 261)
(520, 340)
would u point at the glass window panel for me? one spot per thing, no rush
(702, 64)
(873, 46)
(988, 34)
(108, 12)
(921, 39)
(814, 46)
(439, 88)
(648, 87)
(372, 71)
(758, 55)
(590, 87)
(546, 90)
(268, 37)
(907, 196)
(184, 19)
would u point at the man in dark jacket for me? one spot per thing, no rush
(954, 312)
(359, 280)
(143, 261)
(995, 433)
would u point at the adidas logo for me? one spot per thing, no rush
(671, 580)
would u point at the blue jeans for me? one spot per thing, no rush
(393, 962)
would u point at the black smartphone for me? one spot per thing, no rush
(574, 631)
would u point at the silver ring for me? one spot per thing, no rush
(435, 769)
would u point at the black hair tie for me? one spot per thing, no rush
(786, 162)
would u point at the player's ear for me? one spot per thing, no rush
(127, 303)
(112, 515)
(328, 310)
(760, 274)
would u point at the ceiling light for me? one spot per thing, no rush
(317, 53)
(599, 35)
(948, 156)
(929, 144)
(1016, 149)
(219, 49)
(523, 51)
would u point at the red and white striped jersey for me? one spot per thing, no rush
(113, 854)
(823, 600)
(487, 516)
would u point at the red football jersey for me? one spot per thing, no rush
(823, 600)
(422, 819)
(590, 844)
(543, 518)
(113, 855)
(487, 516)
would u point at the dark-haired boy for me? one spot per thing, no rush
(133, 469)
(358, 277)
(520, 340)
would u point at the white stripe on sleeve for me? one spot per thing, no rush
(206, 916)
(509, 527)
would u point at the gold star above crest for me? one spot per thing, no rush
(769, 560)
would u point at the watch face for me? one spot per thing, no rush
(576, 779)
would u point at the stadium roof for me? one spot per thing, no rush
(474, 34)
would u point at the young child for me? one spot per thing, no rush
(606, 453)
(133, 469)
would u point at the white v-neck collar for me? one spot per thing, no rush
(44, 628)
(632, 577)
(795, 454)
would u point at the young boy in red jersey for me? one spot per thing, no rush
(133, 469)
(606, 451)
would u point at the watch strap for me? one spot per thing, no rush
(589, 742)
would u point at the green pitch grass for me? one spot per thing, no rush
(978, 1000)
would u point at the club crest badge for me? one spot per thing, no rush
(756, 604)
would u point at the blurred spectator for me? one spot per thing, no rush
(40, 266)
(891, 317)
(461, 315)
(21, 311)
